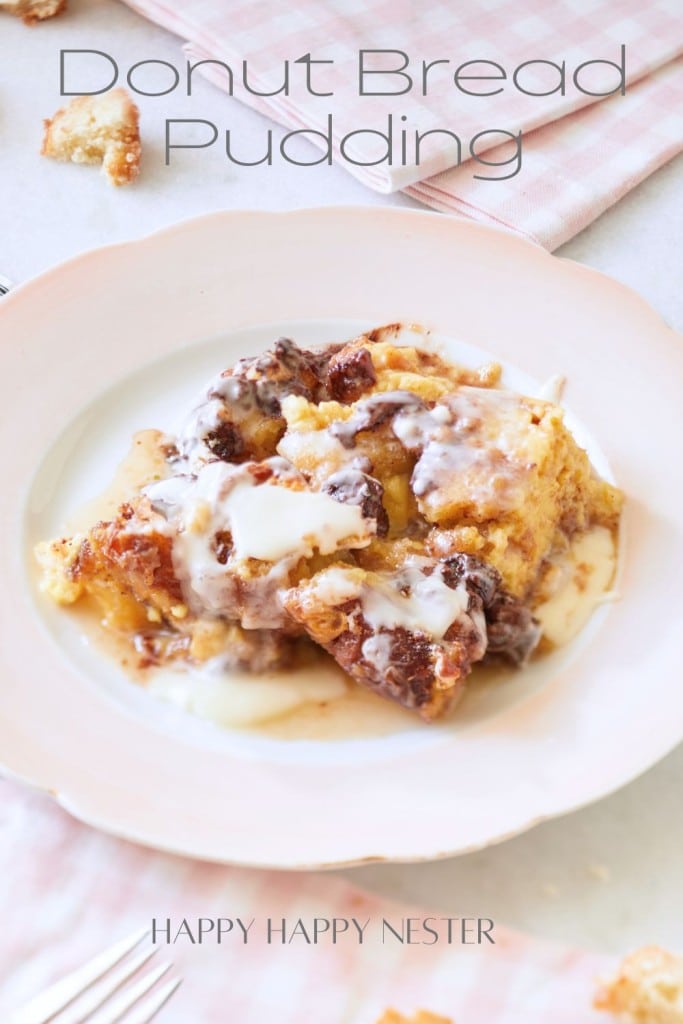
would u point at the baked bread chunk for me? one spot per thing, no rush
(97, 130)
(368, 498)
(188, 569)
(33, 11)
(414, 634)
(647, 988)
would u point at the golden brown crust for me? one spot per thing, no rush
(132, 555)
(647, 988)
(97, 130)
(33, 11)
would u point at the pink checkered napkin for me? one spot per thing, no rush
(70, 891)
(564, 182)
(576, 168)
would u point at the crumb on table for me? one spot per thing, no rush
(97, 130)
(33, 11)
(646, 989)
(420, 1017)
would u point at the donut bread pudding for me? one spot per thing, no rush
(369, 498)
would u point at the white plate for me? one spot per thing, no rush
(114, 341)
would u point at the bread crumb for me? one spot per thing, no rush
(600, 872)
(97, 130)
(33, 11)
(550, 890)
(58, 559)
(421, 1017)
(647, 989)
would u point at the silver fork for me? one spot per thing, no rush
(98, 989)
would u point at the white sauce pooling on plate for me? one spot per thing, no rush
(239, 700)
(579, 583)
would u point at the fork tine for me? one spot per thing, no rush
(48, 1004)
(115, 980)
(150, 1008)
(129, 999)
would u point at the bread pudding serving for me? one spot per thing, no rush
(406, 515)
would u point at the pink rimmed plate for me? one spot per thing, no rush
(115, 340)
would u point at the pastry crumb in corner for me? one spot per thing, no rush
(97, 130)
(420, 1017)
(646, 989)
(33, 11)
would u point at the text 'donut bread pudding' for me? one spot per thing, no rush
(409, 516)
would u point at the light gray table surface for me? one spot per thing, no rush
(606, 877)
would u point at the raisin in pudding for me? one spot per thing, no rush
(408, 516)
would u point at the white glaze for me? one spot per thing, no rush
(239, 700)
(336, 585)
(377, 651)
(269, 521)
(455, 440)
(430, 607)
(297, 446)
(191, 444)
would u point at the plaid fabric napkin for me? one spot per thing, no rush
(71, 891)
(576, 168)
(588, 154)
